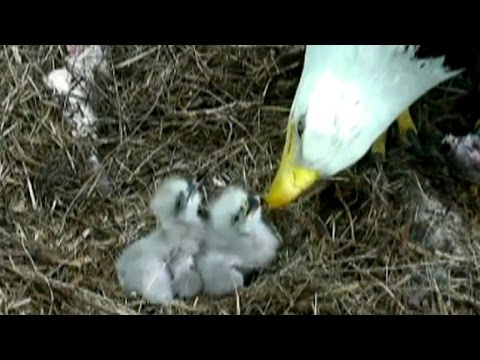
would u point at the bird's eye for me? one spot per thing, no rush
(301, 126)
(236, 218)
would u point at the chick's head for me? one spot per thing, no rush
(236, 209)
(176, 199)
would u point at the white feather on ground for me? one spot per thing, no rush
(74, 82)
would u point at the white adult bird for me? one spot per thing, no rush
(237, 239)
(347, 97)
(159, 266)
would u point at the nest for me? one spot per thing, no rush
(397, 239)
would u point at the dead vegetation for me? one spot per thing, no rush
(403, 239)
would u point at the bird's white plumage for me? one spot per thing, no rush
(349, 95)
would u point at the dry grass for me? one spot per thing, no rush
(398, 240)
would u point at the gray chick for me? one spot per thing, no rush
(463, 158)
(237, 240)
(186, 280)
(159, 266)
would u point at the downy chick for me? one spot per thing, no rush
(159, 266)
(464, 157)
(186, 280)
(237, 239)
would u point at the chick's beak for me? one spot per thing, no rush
(291, 181)
(191, 189)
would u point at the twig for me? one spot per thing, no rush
(84, 295)
(136, 58)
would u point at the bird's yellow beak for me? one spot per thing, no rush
(291, 181)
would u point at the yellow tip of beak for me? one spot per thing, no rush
(290, 181)
(289, 184)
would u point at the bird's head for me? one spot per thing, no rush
(176, 199)
(235, 209)
(314, 104)
(323, 120)
(297, 171)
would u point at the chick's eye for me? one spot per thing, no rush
(179, 200)
(178, 203)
